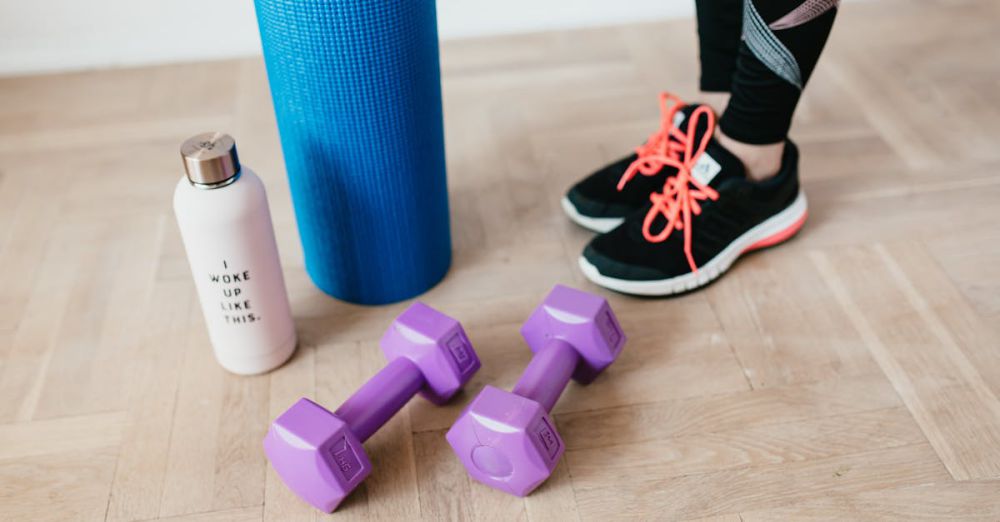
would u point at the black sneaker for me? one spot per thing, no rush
(601, 201)
(707, 216)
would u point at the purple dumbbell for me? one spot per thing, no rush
(318, 454)
(507, 440)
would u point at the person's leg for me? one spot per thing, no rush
(782, 41)
(734, 189)
(602, 200)
(720, 25)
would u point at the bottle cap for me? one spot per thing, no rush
(210, 159)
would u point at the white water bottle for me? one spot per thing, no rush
(225, 223)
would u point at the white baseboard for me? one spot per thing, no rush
(468, 18)
(60, 35)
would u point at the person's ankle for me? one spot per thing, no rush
(716, 100)
(761, 161)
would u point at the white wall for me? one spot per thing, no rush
(57, 35)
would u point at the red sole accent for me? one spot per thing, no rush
(779, 236)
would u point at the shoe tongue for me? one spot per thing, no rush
(681, 116)
(716, 165)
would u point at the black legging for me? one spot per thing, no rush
(763, 53)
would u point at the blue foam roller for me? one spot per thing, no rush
(357, 93)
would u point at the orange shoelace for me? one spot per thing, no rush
(681, 192)
(658, 144)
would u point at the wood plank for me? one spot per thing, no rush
(64, 435)
(103, 322)
(941, 387)
(58, 486)
(239, 459)
(765, 444)
(645, 422)
(486, 503)
(970, 501)
(555, 499)
(445, 489)
(94, 98)
(189, 480)
(728, 491)
(154, 370)
(247, 514)
(783, 328)
(971, 260)
(29, 216)
(735, 517)
(950, 302)
(67, 263)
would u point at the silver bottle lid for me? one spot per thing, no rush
(210, 159)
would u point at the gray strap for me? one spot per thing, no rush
(767, 48)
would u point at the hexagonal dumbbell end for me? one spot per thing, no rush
(581, 319)
(438, 345)
(318, 454)
(507, 440)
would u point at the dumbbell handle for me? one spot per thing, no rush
(548, 373)
(381, 397)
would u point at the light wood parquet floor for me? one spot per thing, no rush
(853, 373)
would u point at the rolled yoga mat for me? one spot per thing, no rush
(357, 93)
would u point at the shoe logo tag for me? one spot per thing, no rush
(705, 169)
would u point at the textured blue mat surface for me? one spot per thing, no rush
(357, 94)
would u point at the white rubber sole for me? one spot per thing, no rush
(600, 225)
(774, 230)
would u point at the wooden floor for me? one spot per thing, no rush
(853, 373)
